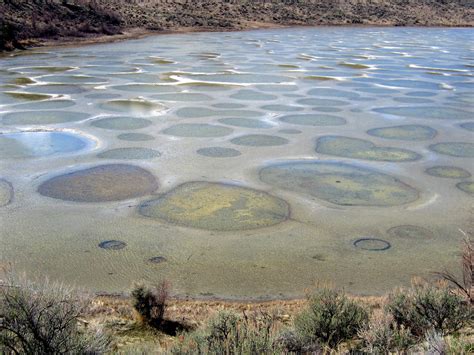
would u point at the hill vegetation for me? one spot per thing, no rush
(27, 22)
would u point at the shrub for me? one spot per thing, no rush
(229, 333)
(150, 303)
(465, 284)
(43, 318)
(290, 342)
(331, 318)
(381, 335)
(425, 307)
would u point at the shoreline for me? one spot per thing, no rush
(138, 33)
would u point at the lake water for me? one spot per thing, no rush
(240, 165)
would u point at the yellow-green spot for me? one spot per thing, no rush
(217, 206)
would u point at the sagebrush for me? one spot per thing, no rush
(44, 318)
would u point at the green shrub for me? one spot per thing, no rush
(331, 318)
(381, 335)
(43, 318)
(150, 302)
(424, 307)
(290, 342)
(230, 334)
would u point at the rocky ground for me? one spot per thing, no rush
(30, 22)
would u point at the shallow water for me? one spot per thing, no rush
(240, 165)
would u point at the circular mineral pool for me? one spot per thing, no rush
(259, 140)
(218, 152)
(6, 192)
(40, 144)
(197, 130)
(467, 126)
(112, 244)
(131, 153)
(454, 149)
(372, 244)
(253, 95)
(133, 106)
(428, 112)
(42, 117)
(112, 182)
(245, 122)
(157, 259)
(451, 172)
(313, 119)
(361, 149)
(122, 123)
(339, 183)
(216, 206)
(135, 137)
(404, 132)
(46, 105)
(410, 232)
(466, 186)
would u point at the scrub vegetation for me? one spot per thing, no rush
(426, 317)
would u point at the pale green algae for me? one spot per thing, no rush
(451, 172)
(454, 149)
(361, 149)
(218, 152)
(313, 119)
(22, 81)
(42, 117)
(259, 140)
(6, 192)
(411, 232)
(404, 132)
(26, 96)
(122, 123)
(216, 206)
(129, 153)
(428, 112)
(111, 182)
(466, 186)
(197, 130)
(339, 183)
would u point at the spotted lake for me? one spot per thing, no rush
(240, 165)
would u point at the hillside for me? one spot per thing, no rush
(28, 22)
